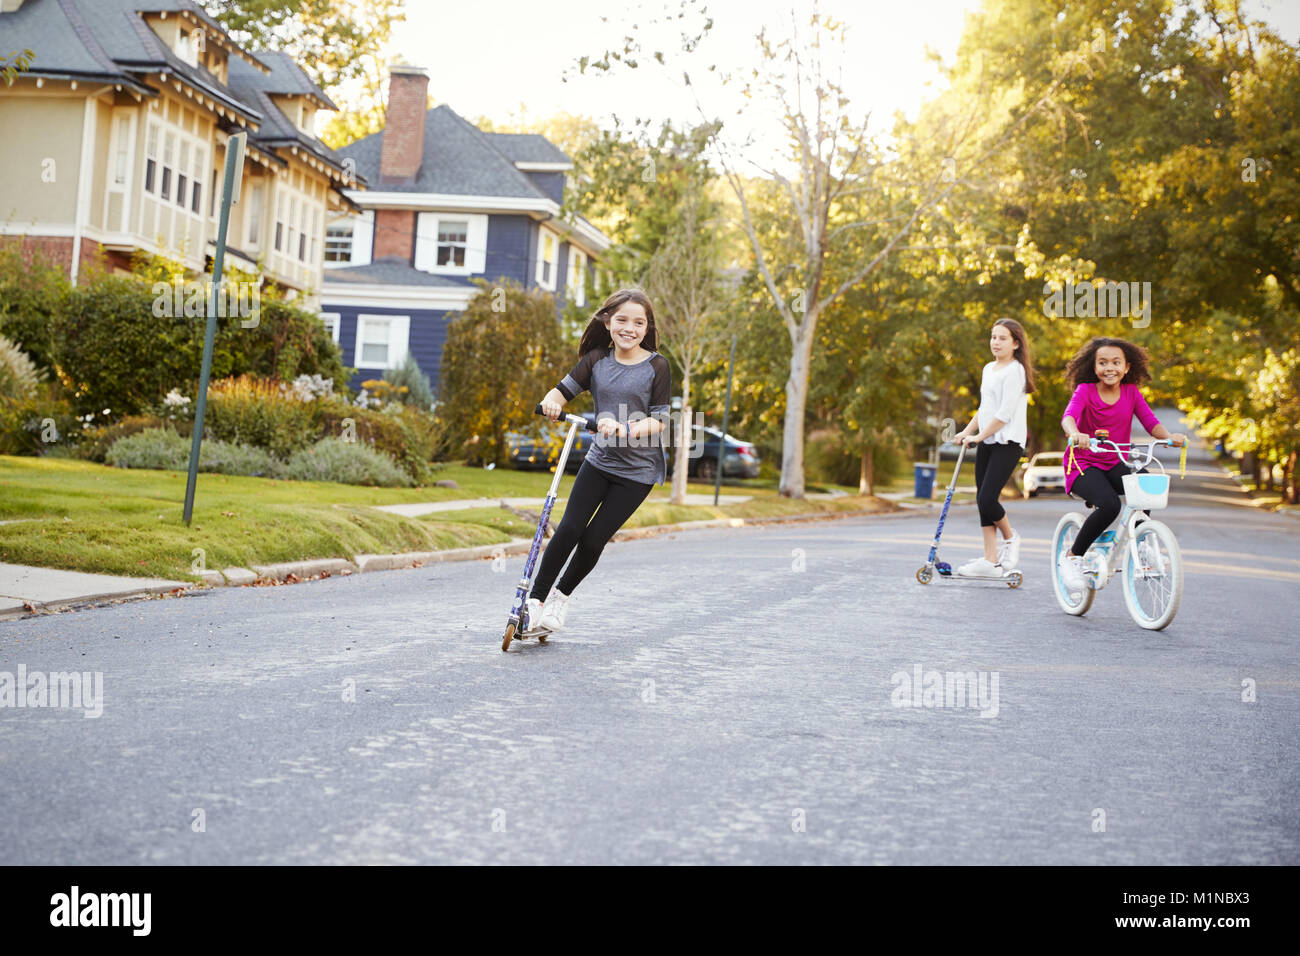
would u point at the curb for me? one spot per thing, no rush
(365, 563)
(300, 571)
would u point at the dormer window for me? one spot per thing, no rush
(189, 45)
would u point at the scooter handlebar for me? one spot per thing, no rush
(571, 419)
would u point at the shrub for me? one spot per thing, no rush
(39, 423)
(18, 377)
(115, 352)
(353, 463)
(411, 437)
(418, 390)
(97, 441)
(261, 413)
(31, 286)
(163, 448)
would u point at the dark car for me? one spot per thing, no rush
(528, 453)
(740, 458)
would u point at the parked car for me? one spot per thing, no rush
(740, 459)
(1044, 472)
(528, 453)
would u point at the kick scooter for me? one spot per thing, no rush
(926, 572)
(518, 625)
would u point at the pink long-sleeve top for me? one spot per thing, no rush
(1091, 413)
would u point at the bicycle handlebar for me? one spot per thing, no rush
(1100, 444)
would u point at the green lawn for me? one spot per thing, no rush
(62, 513)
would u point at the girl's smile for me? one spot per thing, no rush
(627, 326)
(1111, 365)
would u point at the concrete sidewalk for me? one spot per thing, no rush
(23, 588)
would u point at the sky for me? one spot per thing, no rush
(498, 58)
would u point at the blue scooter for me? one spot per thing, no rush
(518, 625)
(926, 572)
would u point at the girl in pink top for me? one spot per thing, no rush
(1106, 374)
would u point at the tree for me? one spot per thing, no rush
(684, 279)
(502, 354)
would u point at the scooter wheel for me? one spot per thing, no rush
(1015, 579)
(925, 574)
(510, 636)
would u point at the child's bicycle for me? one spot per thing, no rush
(1145, 550)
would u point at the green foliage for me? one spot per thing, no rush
(39, 423)
(411, 437)
(31, 286)
(18, 375)
(14, 63)
(162, 448)
(353, 463)
(259, 412)
(115, 346)
(96, 442)
(497, 365)
(418, 391)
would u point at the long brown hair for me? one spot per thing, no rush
(597, 335)
(1083, 367)
(1022, 354)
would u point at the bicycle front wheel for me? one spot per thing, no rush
(1153, 575)
(1074, 602)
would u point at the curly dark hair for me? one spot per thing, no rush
(597, 334)
(1083, 367)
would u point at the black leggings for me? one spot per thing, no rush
(616, 498)
(1101, 488)
(993, 466)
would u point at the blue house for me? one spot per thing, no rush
(446, 203)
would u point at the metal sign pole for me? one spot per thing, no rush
(726, 408)
(229, 196)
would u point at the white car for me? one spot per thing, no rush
(1045, 472)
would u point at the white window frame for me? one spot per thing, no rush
(333, 321)
(542, 235)
(576, 282)
(399, 339)
(122, 153)
(254, 235)
(426, 243)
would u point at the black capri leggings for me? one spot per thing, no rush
(1101, 488)
(616, 498)
(994, 464)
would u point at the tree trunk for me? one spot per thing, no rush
(1293, 482)
(681, 463)
(796, 399)
(867, 476)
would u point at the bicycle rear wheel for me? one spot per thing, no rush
(1153, 575)
(1072, 602)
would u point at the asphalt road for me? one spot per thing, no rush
(723, 696)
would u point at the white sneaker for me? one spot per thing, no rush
(533, 607)
(1009, 551)
(1071, 570)
(553, 613)
(980, 568)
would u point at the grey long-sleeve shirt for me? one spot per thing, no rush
(625, 393)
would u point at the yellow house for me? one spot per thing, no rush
(114, 139)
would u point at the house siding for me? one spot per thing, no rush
(511, 247)
(428, 335)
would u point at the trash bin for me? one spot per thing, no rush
(924, 472)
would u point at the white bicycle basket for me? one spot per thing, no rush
(1146, 492)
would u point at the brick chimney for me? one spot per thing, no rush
(403, 143)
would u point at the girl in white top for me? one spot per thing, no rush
(999, 429)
